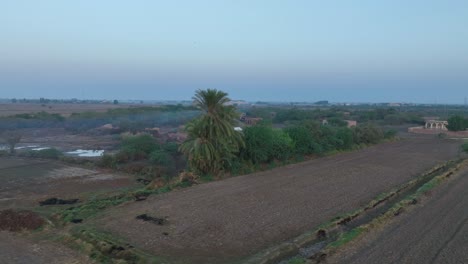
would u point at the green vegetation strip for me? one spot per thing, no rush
(93, 207)
(103, 247)
(291, 248)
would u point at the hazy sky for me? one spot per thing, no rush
(367, 50)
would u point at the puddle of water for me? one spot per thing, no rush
(37, 149)
(86, 153)
(4, 147)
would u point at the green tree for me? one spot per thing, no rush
(12, 138)
(258, 141)
(304, 142)
(264, 143)
(457, 123)
(345, 138)
(464, 147)
(368, 134)
(212, 141)
(136, 147)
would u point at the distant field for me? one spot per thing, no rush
(26, 181)
(63, 109)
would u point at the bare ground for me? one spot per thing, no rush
(18, 249)
(27, 181)
(226, 221)
(434, 232)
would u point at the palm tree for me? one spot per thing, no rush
(212, 141)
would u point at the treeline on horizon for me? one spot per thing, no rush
(126, 119)
(137, 118)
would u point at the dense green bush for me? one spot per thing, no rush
(264, 143)
(465, 147)
(50, 153)
(368, 134)
(304, 142)
(389, 134)
(162, 158)
(107, 161)
(136, 147)
(457, 123)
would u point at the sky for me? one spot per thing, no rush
(295, 50)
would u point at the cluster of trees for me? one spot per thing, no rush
(142, 154)
(264, 144)
(213, 145)
(127, 119)
(457, 123)
(382, 116)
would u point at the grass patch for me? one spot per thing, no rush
(206, 178)
(297, 260)
(347, 237)
(98, 204)
(92, 207)
(103, 247)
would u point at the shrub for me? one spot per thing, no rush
(465, 147)
(263, 144)
(304, 142)
(51, 153)
(389, 134)
(107, 161)
(345, 138)
(368, 134)
(136, 147)
(162, 158)
(457, 123)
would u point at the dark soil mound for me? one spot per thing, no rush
(154, 220)
(12, 220)
(55, 201)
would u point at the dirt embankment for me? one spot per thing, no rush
(434, 232)
(225, 221)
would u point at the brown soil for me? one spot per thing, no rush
(225, 221)
(12, 220)
(436, 231)
(18, 248)
(25, 182)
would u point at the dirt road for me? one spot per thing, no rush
(435, 232)
(225, 221)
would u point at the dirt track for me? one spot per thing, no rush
(222, 222)
(435, 232)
